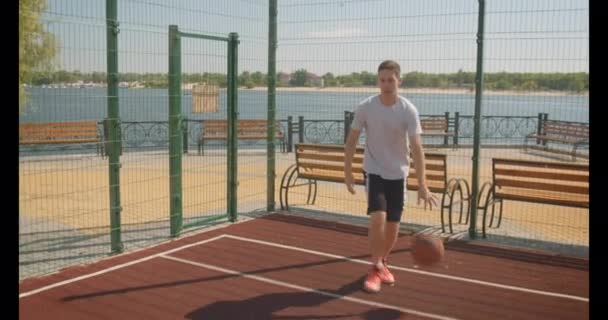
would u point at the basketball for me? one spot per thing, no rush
(427, 250)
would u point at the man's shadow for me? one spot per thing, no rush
(265, 306)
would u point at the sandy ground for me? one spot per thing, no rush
(72, 192)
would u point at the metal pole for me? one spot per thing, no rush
(114, 125)
(456, 127)
(301, 129)
(347, 121)
(232, 124)
(447, 121)
(289, 133)
(545, 118)
(271, 81)
(477, 121)
(185, 135)
(175, 131)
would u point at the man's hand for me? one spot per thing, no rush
(428, 198)
(350, 181)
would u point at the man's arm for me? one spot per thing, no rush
(418, 157)
(419, 161)
(349, 152)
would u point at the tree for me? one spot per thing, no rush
(63, 76)
(98, 77)
(299, 78)
(412, 79)
(244, 78)
(368, 79)
(529, 85)
(258, 78)
(37, 47)
(329, 80)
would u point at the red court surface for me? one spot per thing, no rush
(290, 267)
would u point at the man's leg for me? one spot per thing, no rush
(395, 198)
(391, 232)
(376, 209)
(377, 235)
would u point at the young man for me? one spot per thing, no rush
(388, 119)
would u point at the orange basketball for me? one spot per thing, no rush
(427, 250)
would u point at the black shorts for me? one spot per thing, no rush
(385, 195)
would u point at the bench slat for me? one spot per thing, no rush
(560, 128)
(429, 176)
(301, 147)
(539, 164)
(59, 129)
(438, 134)
(574, 200)
(435, 127)
(59, 141)
(252, 129)
(433, 186)
(542, 175)
(329, 157)
(559, 139)
(502, 182)
(568, 132)
(328, 177)
(58, 132)
(428, 167)
(330, 167)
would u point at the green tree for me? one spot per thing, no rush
(412, 79)
(63, 76)
(37, 47)
(244, 78)
(258, 78)
(368, 79)
(576, 82)
(329, 80)
(529, 85)
(299, 78)
(98, 77)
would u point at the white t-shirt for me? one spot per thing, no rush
(386, 131)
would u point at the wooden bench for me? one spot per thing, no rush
(533, 181)
(320, 162)
(248, 129)
(572, 133)
(78, 132)
(436, 126)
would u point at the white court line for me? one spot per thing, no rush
(432, 274)
(306, 289)
(120, 266)
(491, 284)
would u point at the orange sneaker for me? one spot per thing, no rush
(372, 282)
(386, 276)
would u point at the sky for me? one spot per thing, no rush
(435, 36)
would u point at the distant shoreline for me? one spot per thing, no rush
(423, 91)
(404, 91)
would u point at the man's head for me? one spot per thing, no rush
(389, 77)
